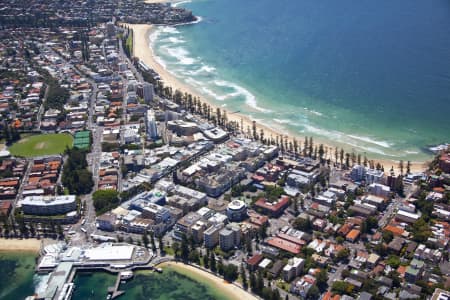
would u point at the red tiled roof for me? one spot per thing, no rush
(9, 183)
(353, 234)
(255, 259)
(291, 239)
(5, 205)
(345, 228)
(327, 296)
(394, 229)
(273, 207)
(284, 245)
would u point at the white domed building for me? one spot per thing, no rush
(236, 211)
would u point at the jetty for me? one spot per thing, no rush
(114, 290)
(64, 262)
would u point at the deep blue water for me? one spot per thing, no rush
(369, 75)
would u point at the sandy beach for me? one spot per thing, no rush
(31, 245)
(226, 288)
(144, 52)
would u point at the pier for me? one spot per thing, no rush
(63, 264)
(114, 290)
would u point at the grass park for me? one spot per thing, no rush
(42, 144)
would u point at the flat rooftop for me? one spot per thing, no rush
(109, 251)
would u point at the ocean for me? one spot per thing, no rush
(369, 76)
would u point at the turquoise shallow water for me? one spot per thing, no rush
(169, 285)
(373, 76)
(17, 280)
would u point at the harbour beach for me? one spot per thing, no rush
(18, 245)
(142, 50)
(229, 290)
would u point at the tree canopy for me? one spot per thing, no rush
(76, 178)
(105, 200)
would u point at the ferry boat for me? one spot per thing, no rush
(125, 275)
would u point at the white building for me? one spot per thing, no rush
(293, 268)
(374, 200)
(109, 251)
(230, 237)
(49, 205)
(374, 176)
(380, 190)
(358, 173)
(236, 210)
(211, 235)
(152, 129)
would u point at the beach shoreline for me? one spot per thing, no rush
(228, 289)
(143, 51)
(20, 245)
(157, 1)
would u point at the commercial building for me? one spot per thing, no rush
(49, 205)
(108, 251)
